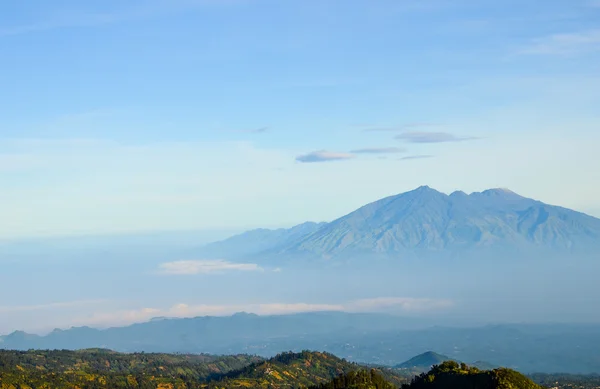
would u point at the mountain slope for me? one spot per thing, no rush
(451, 375)
(425, 360)
(205, 334)
(256, 241)
(288, 370)
(361, 379)
(107, 369)
(425, 219)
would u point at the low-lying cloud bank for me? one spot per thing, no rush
(205, 266)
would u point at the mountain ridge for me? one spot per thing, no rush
(422, 220)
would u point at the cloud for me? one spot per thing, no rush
(379, 150)
(430, 137)
(411, 157)
(400, 128)
(68, 18)
(406, 304)
(52, 306)
(323, 156)
(205, 266)
(565, 44)
(185, 310)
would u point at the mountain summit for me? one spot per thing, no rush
(426, 219)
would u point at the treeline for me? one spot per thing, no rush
(451, 374)
(361, 379)
(106, 369)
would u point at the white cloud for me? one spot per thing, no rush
(205, 266)
(406, 304)
(565, 43)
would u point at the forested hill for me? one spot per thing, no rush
(105, 369)
(96, 368)
(451, 374)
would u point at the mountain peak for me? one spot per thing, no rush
(498, 192)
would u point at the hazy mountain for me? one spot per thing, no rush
(256, 241)
(364, 338)
(427, 220)
(425, 360)
(205, 334)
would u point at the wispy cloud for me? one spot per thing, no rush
(323, 156)
(431, 137)
(183, 310)
(81, 18)
(260, 130)
(411, 157)
(378, 150)
(53, 306)
(403, 127)
(205, 266)
(406, 304)
(565, 43)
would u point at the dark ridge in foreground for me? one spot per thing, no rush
(451, 374)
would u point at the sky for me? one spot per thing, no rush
(124, 116)
(218, 115)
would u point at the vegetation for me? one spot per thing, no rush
(106, 369)
(567, 381)
(361, 379)
(451, 374)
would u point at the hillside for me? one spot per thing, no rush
(97, 368)
(361, 379)
(107, 369)
(288, 370)
(453, 375)
(425, 360)
(425, 219)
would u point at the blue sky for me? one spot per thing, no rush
(202, 114)
(157, 115)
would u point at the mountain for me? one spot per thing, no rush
(427, 220)
(206, 334)
(256, 241)
(374, 339)
(450, 375)
(425, 360)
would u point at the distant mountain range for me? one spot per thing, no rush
(424, 220)
(376, 339)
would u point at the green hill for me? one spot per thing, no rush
(104, 369)
(288, 370)
(450, 375)
(361, 379)
(107, 369)
(425, 360)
